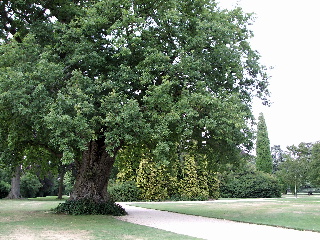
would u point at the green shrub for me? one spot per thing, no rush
(29, 185)
(124, 191)
(249, 183)
(194, 182)
(214, 186)
(152, 180)
(4, 183)
(89, 207)
(68, 182)
(4, 189)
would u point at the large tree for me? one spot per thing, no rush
(264, 158)
(84, 79)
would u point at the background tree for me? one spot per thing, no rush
(85, 79)
(15, 188)
(277, 157)
(12, 162)
(314, 170)
(293, 172)
(264, 159)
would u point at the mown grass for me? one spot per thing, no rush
(302, 213)
(32, 219)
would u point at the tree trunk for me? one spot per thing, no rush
(62, 172)
(93, 173)
(15, 184)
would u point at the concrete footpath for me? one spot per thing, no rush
(210, 228)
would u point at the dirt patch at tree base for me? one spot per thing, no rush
(28, 234)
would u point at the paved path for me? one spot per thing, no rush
(210, 228)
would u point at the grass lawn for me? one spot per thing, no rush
(31, 219)
(302, 213)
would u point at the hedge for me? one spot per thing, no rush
(250, 184)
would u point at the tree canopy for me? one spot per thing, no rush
(83, 79)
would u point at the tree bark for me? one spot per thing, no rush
(15, 184)
(93, 173)
(62, 172)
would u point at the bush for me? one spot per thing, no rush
(191, 188)
(89, 207)
(29, 185)
(68, 182)
(250, 184)
(214, 186)
(152, 179)
(124, 191)
(4, 189)
(4, 183)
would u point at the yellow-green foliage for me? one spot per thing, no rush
(187, 178)
(128, 162)
(202, 173)
(152, 179)
(213, 185)
(190, 183)
(126, 174)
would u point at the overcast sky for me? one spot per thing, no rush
(287, 37)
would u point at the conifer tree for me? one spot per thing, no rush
(152, 180)
(264, 159)
(189, 184)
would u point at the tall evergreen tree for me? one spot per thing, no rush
(264, 159)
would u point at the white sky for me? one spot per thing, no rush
(287, 37)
